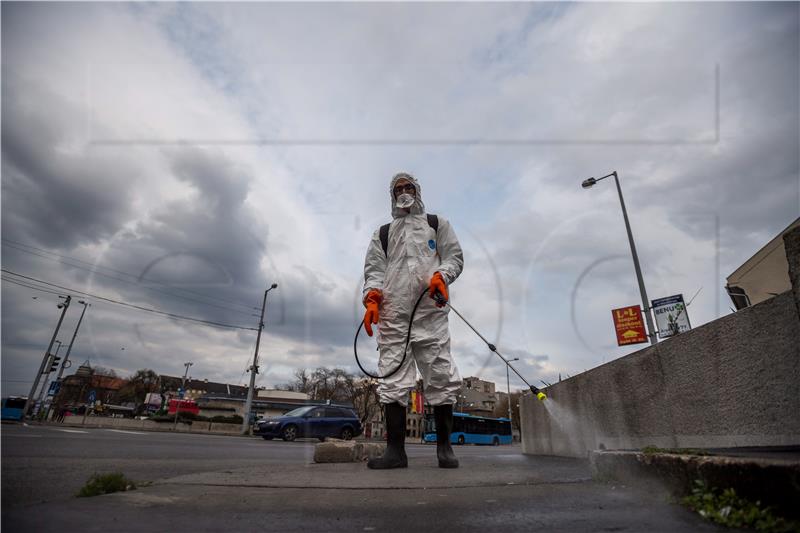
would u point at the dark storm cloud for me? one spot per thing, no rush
(56, 192)
(208, 248)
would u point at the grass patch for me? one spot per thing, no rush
(726, 508)
(106, 484)
(676, 451)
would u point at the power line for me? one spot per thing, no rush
(134, 306)
(95, 270)
(9, 280)
(133, 282)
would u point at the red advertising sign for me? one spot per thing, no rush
(629, 325)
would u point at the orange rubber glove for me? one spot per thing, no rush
(372, 302)
(438, 284)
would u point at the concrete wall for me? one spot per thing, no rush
(731, 382)
(149, 425)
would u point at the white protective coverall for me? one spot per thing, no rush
(415, 252)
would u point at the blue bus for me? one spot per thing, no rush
(468, 429)
(13, 408)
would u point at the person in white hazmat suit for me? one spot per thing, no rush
(419, 251)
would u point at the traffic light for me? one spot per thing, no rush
(54, 364)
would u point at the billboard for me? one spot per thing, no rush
(629, 325)
(671, 316)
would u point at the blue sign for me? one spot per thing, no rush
(92, 396)
(55, 386)
(180, 393)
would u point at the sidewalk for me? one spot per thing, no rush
(508, 492)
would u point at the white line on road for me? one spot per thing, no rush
(128, 432)
(71, 431)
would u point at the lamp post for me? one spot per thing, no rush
(254, 369)
(183, 388)
(72, 342)
(587, 183)
(508, 386)
(28, 403)
(65, 363)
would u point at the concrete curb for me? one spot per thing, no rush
(774, 482)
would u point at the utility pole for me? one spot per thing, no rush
(47, 369)
(72, 342)
(254, 369)
(64, 363)
(63, 306)
(183, 388)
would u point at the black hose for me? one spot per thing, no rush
(408, 339)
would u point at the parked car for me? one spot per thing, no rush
(315, 421)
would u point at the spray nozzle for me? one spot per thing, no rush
(539, 394)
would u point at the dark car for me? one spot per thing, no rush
(315, 421)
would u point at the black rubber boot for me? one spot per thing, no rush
(395, 454)
(443, 415)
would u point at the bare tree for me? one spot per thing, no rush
(137, 386)
(302, 382)
(338, 386)
(364, 395)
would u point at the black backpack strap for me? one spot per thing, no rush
(384, 234)
(433, 221)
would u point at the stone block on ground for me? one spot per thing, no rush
(346, 451)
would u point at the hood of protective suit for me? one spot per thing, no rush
(418, 208)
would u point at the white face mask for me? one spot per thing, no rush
(404, 201)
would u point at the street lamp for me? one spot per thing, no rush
(65, 363)
(590, 182)
(183, 388)
(254, 369)
(508, 386)
(63, 306)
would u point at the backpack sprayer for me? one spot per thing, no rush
(441, 301)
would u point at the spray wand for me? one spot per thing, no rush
(441, 300)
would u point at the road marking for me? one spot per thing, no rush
(128, 432)
(71, 431)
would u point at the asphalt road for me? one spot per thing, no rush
(218, 483)
(50, 463)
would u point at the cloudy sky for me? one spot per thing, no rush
(182, 157)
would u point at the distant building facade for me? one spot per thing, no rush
(477, 397)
